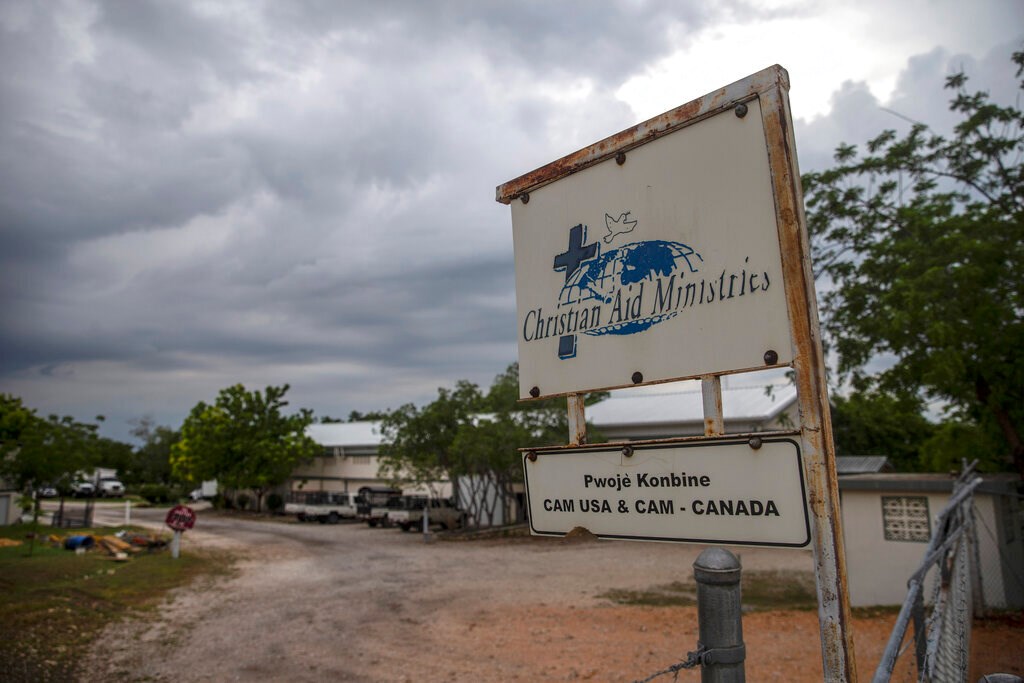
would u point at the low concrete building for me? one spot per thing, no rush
(888, 519)
(348, 460)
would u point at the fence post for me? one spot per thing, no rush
(717, 573)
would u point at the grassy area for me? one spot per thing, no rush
(761, 590)
(55, 602)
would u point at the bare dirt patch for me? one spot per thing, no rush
(347, 603)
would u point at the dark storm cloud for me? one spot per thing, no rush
(197, 194)
(532, 37)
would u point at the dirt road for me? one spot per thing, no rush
(350, 603)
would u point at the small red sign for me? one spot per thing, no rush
(181, 517)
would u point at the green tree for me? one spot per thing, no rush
(357, 416)
(955, 441)
(417, 444)
(472, 439)
(922, 240)
(151, 463)
(243, 440)
(879, 423)
(51, 450)
(35, 451)
(110, 453)
(485, 450)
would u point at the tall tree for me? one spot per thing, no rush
(880, 423)
(35, 451)
(486, 453)
(151, 462)
(417, 446)
(922, 238)
(243, 440)
(52, 450)
(471, 439)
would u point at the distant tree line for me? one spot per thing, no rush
(920, 239)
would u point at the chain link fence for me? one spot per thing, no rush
(941, 595)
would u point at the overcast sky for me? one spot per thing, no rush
(196, 194)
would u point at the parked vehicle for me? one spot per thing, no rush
(46, 491)
(206, 490)
(334, 507)
(83, 489)
(442, 513)
(326, 507)
(295, 504)
(109, 487)
(376, 501)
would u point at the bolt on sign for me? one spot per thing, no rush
(672, 250)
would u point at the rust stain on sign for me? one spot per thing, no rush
(663, 124)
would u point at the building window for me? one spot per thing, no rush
(360, 459)
(905, 518)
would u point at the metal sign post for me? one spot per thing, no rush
(677, 249)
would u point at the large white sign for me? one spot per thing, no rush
(699, 492)
(666, 265)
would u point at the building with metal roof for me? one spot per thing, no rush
(659, 412)
(862, 464)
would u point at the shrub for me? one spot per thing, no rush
(242, 500)
(275, 503)
(155, 493)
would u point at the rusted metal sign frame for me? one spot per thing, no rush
(770, 87)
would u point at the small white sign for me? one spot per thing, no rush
(694, 492)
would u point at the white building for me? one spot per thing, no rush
(348, 460)
(660, 412)
(888, 519)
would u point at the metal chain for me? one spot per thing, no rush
(693, 659)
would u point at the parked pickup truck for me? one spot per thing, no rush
(83, 489)
(326, 507)
(110, 487)
(442, 513)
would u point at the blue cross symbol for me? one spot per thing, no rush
(571, 258)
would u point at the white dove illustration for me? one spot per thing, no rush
(618, 226)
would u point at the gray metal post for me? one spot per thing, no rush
(717, 572)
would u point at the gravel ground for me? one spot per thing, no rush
(350, 603)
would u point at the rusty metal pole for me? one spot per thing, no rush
(711, 392)
(834, 614)
(719, 615)
(577, 420)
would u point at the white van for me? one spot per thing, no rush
(326, 507)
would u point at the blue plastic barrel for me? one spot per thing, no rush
(75, 542)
